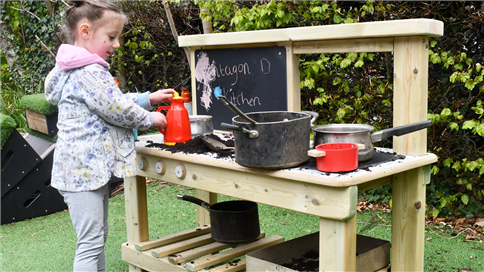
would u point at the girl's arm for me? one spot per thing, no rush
(146, 99)
(105, 99)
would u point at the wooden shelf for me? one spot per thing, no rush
(193, 250)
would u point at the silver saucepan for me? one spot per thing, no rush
(361, 135)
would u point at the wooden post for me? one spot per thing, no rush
(408, 225)
(136, 212)
(203, 217)
(337, 245)
(410, 105)
(293, 81)
(410, 92)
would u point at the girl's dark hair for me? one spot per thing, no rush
(92, 10)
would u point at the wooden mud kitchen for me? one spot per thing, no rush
(331, 196)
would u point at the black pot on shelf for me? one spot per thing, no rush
(233, 221)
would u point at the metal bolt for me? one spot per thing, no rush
(423, 40)
(8, 185)
(415, 71)
(418, 205)
(194, 177)
(236, 186)
(18, 188)
(45, 210)
(426, 46)
(265, 190)
(306, 185)
(307, 197)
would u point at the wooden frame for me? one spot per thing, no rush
(408, 40)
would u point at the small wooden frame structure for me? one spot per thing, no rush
(333, 200)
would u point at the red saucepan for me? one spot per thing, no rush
(335, 157)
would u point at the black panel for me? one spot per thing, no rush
(18, 159)
(254, 79)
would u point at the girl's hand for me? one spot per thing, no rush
(159, 119)
(161, 95)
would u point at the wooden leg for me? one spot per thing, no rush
(337, 245)
(136, 212)
(408, 223)
(203, 217)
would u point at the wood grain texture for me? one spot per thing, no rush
(410, 89)
(136, 212)
(36, 121)
(293, 82)
(344, 46)
(396, 28)
(325, 201)
(408, 232)
(166, 250)
(320, 179)
(337, 240)
(203, 216)
(233, 253)
(142, 246)
(143, 261)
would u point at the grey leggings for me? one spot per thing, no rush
(89, 215)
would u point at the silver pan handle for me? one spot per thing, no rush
(314, 116)
(399, 131)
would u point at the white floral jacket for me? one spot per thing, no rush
(95, 138)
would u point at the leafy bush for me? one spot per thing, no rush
(357, 88)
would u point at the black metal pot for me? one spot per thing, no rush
(231, 221)
(277, 139)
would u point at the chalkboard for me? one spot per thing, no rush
(254, 79)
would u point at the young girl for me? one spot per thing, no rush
(95, 138)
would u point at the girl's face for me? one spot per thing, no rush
(105, 38)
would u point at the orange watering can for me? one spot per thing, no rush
(178, 128)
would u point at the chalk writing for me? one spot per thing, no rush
(205, 73)
(265, 66)
(254, 79)
(233, 71)
(240, 99)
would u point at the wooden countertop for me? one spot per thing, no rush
(357, 177)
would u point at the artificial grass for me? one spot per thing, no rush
(7, 124)
(48, 243)
(37, 103)
(41, 135)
